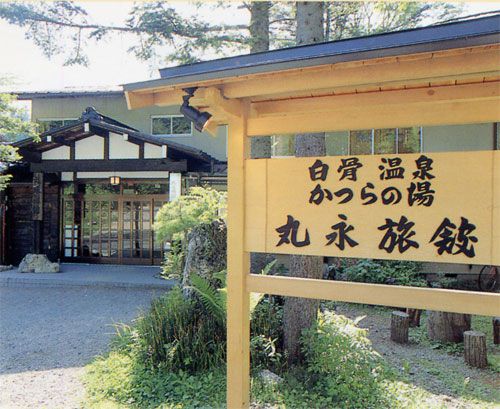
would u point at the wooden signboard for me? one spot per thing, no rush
(435, 207)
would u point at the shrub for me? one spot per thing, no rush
(199, 206)
(174, 261)
(341, 364)
(406, 273)
(178, 334)
(266, 341)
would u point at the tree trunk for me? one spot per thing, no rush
(475, 349)
(310, 22)
(260, 146)
(447, 326)
(301, 313)
(399, 327)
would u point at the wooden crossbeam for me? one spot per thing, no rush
(92, 165)
(380, 115)
(466, 302)
(464, 92)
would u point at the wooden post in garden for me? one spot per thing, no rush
(475, 349)
(400, 322)
(496, 330)
(238, 264)
(446, 326)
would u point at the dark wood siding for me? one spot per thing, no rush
(20, 223)
(51, 221)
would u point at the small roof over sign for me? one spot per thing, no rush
(468, 33)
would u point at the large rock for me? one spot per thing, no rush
(37, 263)
(205, 251)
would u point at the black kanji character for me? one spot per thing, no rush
(394, 170)
(339, 235)
(349, 168)
(445, 233)
(424, 165)
(421, 193)
(463, 238)
(399, 237)
(318, 170)
(451, 240)
(318, 195)
(372, 197)
(348, 193)
(391, 195)
(288, 233)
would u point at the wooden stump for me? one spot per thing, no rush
(400, 322)
(496, 330)
(475, 349)
(414, 317)
(447, 326)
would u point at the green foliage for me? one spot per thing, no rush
(213, 299)
(407, 273)
(121, 380)
(12, 127)
(156, 29)
(200, 206)
(176, 334)
(341, 364)
(266, 340)
(173, 264)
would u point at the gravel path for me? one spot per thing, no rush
(47, 335)
(432, 370)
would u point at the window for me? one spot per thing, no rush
(53, 123)
(383, 141)
(171, 125)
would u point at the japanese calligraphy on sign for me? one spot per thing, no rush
(438, 207)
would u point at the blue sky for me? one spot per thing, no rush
(110, 64)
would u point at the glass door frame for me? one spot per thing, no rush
(76, 229)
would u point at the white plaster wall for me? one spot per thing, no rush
(66, 176)
(152, 151)
(90, 148)
(121, 149)
(62, 152)
(125, 175)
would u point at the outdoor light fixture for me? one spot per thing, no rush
(114, 180)
(199, 119)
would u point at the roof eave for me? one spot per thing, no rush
(487, 33)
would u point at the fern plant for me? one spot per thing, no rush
(215, 299)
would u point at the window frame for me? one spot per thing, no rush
(40, 120)
(372, 150)
(170, 117)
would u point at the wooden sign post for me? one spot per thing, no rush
(434, 207)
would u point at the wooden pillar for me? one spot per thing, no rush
(37, 212)
(475, 349)
(400, 322)
(238, 267)
(496, 330)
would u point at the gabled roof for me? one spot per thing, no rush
(469, 33)
(99, 123)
